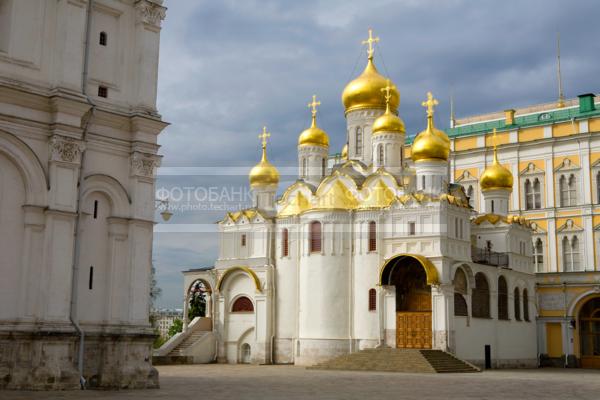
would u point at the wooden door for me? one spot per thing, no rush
(413, 330)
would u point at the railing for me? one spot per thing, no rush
(489, 257)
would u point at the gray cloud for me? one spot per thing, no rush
(229, 67)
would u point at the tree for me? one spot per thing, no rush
(176, 327)
(197, 304)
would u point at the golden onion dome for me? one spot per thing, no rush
(432, 143)
(388, 122)
(314, 136)
(345, 152)
(496, 177)
(365, 91)
(264, 173)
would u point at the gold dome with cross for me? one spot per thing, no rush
(495, 176)
(365, 91)
(314, 136)
(264, 174)
(432, 143)
(388, 121)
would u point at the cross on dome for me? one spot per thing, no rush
(370, 42)
(313, 105)
(388, 89)
(430, 104)
(263, 136)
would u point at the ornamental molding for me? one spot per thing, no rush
(144, 164)
(567, 165)
(150, 12)
(569, 226)
(65, 149)
(466, 177)
(532, 169)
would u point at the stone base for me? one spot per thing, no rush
(314, 351)
(47, 360)
(507, 363)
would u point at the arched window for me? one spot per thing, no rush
(304, 167)
(517, 300)
(502, 298)
(460, 290)
(103, 39)
(372, 236)
(570, 254)
(572, 190)
(525, 305)
(242, 304)
(538, 255)
(492, 205)
(285, 246)
(480, 303)
(315, 237)
(537, 194)
(372, 300)
(380, 154)
(323, 166)
(528, 195)
(359, 141)
(470, 195)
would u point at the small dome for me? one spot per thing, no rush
(388, 122)
(365, 91)
(496, 177)
(432, 143)
(314, 136)
(264, 173)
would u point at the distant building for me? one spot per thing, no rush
(163, 320)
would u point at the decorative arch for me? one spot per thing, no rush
(112, 188)
(580, 300)
(29, 165)
(240, 269)
(242, 303)
(467, 270)
(430, 269)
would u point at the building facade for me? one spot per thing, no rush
(164, 319)
(369, 250)
(553, 151)
(78, 152)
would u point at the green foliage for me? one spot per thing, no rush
(159, 341)
(176, 327)
(197, 306)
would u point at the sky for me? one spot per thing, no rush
(228, 68)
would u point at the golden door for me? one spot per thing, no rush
(413, 328)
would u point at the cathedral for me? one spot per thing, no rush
(373, 249)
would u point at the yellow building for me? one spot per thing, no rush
(553, 151)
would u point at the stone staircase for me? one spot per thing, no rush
(181, 348)
(398, 360)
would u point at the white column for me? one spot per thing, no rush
(553, 267)
(549, 183)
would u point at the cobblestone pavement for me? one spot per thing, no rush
(234, 382)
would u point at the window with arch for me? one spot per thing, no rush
(372, 236)
(502, 298)
(242, 304)
(372, 300)
(538, 255)
(525, 305)
(568, 191)
(570, 252)
(533, 194)
(492, 202)
(380, 154)
(285, 245)
(103, 39)
(316, 237)
(323, 166)
(243, 240)
(480, 301)
(304, 167)
(517, 300)
(359, 141)
(471, 196)
(460, 290)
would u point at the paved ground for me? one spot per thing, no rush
(290, 383)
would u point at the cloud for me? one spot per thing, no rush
(229, 67)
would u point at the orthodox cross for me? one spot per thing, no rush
(430, 104)
(263, 136)
(313, 105)
(388, 89)
(370, 42)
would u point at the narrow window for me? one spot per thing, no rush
(538, 255)
(480, 299)
(95, 209)
(284, 242)
(460, 289)
(575, 253)
(103, 39)
(372, 236)
(315, 237)
(411, 228)
(470, 194)
(567, 256)
(502, 298)
(537, 194)
(243, 239)
(525, 305)
(564, 191)
(423, 182)
(456, 228)
(304, 168)
(372, 300)
(380, 154)
(598, 187)
(517, 305)
(492, 206)
(323, 167)
(91, 278)
(359, 141)
(102, 91)
(528, 195)
(572, 190)
(461, 228)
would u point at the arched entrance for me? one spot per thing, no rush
(589, 333)
(246, 353)
(412, 276)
